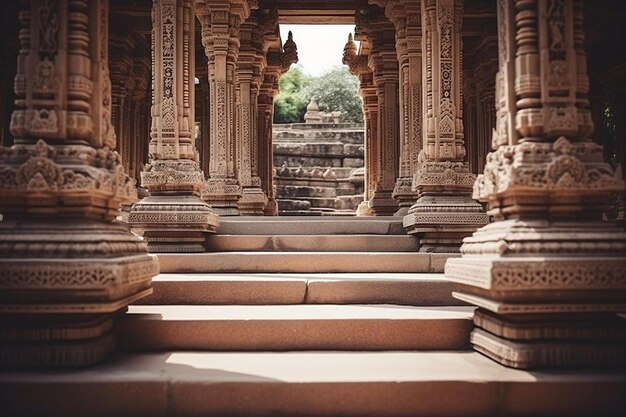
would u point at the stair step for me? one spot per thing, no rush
(295, 327)
(451, 384)
(426, 289)
(318, 243)
(303, 262)
(307, 225)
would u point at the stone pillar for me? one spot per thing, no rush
(220, 22)
(65, 268)
(278, 59)
(173, 218)
(445, 211)
(384, 62)
(253, 200)
(358, 65)
(548, 274)
(405, 16)
(203, 96)
(265, 115)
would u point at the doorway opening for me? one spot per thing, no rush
(318, 133)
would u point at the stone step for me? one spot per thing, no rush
(257, 289)
(255, 384)
(303, 262)
(318, 243)
(295, 327)
(303, 225)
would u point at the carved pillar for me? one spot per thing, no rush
(65, 268)
(445, 212)
(173, 218)
(384, 62)
(220, 22)
(203, 100)
(358, 65)
(548, 273)
(253, 200)
(265, 115)
(278, 60)
(405, 16)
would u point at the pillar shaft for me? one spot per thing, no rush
(383, 61)
(445, 212)
(221, 21)
(548, 273)
(173, 218)
(65, 268)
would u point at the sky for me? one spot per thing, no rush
(320, 47)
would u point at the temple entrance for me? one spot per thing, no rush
(318, 133)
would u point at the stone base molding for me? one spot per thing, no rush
(550, 275)
(442, 221)
(252, 202)
(173, 223)
(383, 204)
(404, 194)
(61, 283)
(222, 194)
(271, 208)
(445, 213)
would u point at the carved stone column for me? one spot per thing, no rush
(548, 273)
(220, 22)
(384, 62)
(445, 211)
(405, 16)
(265, 115)
(173, 218)
(358, 65)
(253, 200)
(65, 268)
(278, 60)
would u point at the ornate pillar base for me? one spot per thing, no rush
(545, 290)
(174, 223)
(445, 213)
(61, 284)
(173, 218)
(271, 208)
(383, 203)
(252, 202)
(222, 194)
(405, 196)
(546, 277)
(442, 221)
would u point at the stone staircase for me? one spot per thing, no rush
(287, 317)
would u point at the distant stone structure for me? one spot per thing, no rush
(318, 166)
(314, 115)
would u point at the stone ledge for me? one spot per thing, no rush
(295, 327)
(339, 288)
(302, 262)
(313, 384)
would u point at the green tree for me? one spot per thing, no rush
(335, 90)
(290, 103)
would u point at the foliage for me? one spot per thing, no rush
(290, 104)
(335, 90)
